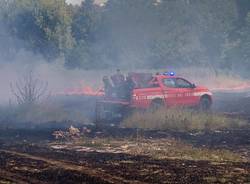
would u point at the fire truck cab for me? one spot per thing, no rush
(153, 92)
(170, 90)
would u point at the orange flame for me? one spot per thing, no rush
(86, 91)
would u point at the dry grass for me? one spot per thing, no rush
(182, 120)
(173, 149)
(164, 148)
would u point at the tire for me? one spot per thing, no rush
(156, 104)
(205, 104)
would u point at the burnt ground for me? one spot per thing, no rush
(28, 161)
(27, 157)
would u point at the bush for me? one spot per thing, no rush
(182, 120)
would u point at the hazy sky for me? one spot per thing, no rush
(73, 1)
(79, 1)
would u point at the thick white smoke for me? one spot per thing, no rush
(77, 2)
(58, 77)
(74, 2)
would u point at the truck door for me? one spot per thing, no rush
(170, 92)
(185, 92)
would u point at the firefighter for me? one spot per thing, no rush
(128, 87)
(118, 80)
(108, 88)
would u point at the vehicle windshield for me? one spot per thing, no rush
(176, 83)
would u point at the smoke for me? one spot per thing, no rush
(130, 37)
(59, 79)
(15, 62)
(78, 2)
(74, 2)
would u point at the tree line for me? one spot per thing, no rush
(129, 33)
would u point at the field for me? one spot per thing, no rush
(110, 154)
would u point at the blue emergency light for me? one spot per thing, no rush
(172, 74)
(169, 73)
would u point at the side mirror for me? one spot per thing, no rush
(193, 86)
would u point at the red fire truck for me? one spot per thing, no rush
(152, 92)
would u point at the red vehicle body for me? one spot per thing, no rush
(170, 91)
(162, 90)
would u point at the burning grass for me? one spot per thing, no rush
(182, 120)
(209, 77)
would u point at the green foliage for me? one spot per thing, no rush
(128, 33)
(237, 53)
(43, 25)
(79, 57)
(84, 24)
(84, 21)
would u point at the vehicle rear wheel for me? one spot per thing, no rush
(156, 104)
(205, 104)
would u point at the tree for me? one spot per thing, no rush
(84, 54)
(128, 33)
(236, 51)
(124, 32)
(43, 26)
(192, 32)
(79, 57)
(84, 19)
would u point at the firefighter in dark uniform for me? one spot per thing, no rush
(108, 88)
(128, 87)
(118, 80)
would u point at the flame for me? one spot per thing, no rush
(86, 91)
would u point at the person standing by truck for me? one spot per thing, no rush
(118, 80)
(108, 88)
(129, 85)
